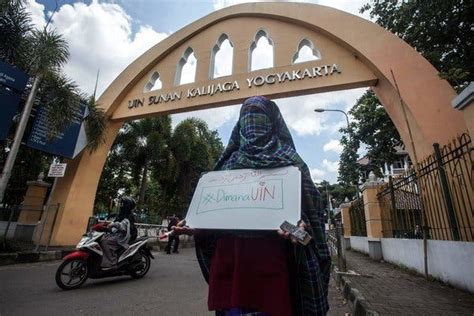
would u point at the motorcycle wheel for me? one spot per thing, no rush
(140, 268)
(71, 274)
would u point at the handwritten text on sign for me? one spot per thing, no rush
(259, 194)
(246, 199)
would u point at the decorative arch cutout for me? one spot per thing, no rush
(186, 68)
(222, 57)
(261, 55)
(306, 51)
(154, 83)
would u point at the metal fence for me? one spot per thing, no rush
(357, 216)
(334, 240)
(439, 201)
(150, 230)
(25, 223)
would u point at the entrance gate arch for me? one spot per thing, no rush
(352, 52)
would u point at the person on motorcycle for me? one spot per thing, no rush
(122, 231)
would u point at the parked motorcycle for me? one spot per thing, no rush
(85, 262)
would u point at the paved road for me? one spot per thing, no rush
(173, 286)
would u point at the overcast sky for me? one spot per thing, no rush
(109, 35)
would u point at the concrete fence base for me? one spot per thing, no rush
(449, 261)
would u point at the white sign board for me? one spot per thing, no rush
(246, 199)
(57, 170)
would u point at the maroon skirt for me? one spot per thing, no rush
(250, 273)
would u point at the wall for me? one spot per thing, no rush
(405, 252)
(449, 261)
(360, 244)
(452, 262)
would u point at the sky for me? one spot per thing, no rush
(110, 34)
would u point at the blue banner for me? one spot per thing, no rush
(67, 143)
(12, 84)
(8, 108)
(12, 78)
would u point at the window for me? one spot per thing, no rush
(154, 83)
(222, 57)
(306, 52)
(186, 68)
(261, 52)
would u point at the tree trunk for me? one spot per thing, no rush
(141, 199)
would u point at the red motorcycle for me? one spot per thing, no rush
(85, 262)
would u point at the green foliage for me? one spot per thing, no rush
(370, 125)
(195, 150)
(337, 193)
(49, 51)
(15, 28)
(441, 30)
(29, 164)
(41, 53)
(159, 166)
(96, 124)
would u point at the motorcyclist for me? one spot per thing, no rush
(122, 231)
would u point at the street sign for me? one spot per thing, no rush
(12, 84)
(68, 143)
(8, 108)
(57, 170)
(246, 199)
(12, 77)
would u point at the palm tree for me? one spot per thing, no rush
(49, 53)
(195, 149)
(42, 53)
(15, 28)
(144, 143)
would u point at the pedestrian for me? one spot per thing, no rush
(418, 232)
(260, 273)
(173, 240)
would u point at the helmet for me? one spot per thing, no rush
(127, 204)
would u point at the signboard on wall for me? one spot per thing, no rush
(9, 101)
(68, 143)
(12, 77)
(12, 84)
(246, 199)
(57, 170)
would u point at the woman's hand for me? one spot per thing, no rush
(182, 229)
(286, 235)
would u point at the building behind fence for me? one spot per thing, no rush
(423, 220)
(439, 200)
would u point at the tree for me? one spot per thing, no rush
(144, 142)
(195, 150)
(441, 30)
(50, 51)
(371, 126)
(41, 53)
(173, 160)
(337, 194)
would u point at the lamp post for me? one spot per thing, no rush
(319, 110)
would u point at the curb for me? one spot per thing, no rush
(31, 257)
(358, 303)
